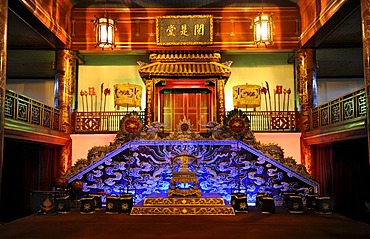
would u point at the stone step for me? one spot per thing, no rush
(178, 210)
(159, 204)
(184, 201)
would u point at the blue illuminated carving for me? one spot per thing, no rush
(143, 167)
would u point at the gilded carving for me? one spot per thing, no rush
(221, 100)
(184, 130)
(130, 128)
(183, 201)
(306, 158)
(65, 77)
(183, 176)
(65, 160)
(182, 211)
(66, 73)
(184, 30)
(149, 101)
(305, 75)
(365, 14)
(3, 44)
(3, 62)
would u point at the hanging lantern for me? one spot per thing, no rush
(104, 30)
(263, 29)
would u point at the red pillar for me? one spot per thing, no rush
(365, 16)
(3, 54)
(306, 90)
(65, 81)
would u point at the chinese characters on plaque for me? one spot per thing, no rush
(128, 95)
(184, 30)
(248, 96)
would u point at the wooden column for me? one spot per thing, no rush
(365, 16)
(149, 114)
(65, 83)
(306, 90)
(221, 100)
(3, 53)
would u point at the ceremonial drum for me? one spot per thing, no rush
(239, 202)
(87, 205)
(324, 205)
(62, 204)
(97, 201)
(113, 205)
(267, 205)
(295, 204)
(311, 201)
(286, 198)
(126, 203)
(119, 204)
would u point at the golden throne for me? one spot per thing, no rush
(181, 175)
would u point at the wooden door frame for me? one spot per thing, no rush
(183, 84)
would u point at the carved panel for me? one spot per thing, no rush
(47, 118)
(365, 16)
(35, 114)
(144, 167)
(184, 30)
(335, 113)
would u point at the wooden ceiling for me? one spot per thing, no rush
(183, 3)
(31, 47)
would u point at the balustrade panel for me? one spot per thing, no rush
(260, 121)
(25, 109)
(100, 122)
(344, 108)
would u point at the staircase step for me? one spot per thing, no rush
(161, 204)
(178, 210)
(185, 201)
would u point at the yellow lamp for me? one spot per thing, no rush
(104, 30)
(263, 29)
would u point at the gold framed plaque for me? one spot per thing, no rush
(184, 30)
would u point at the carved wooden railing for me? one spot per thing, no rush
(108, 122)
(349, 107)
(100, 122)
(273, 121)
(345, 108)
(25, 109)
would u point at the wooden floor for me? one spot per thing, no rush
(253, 224)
